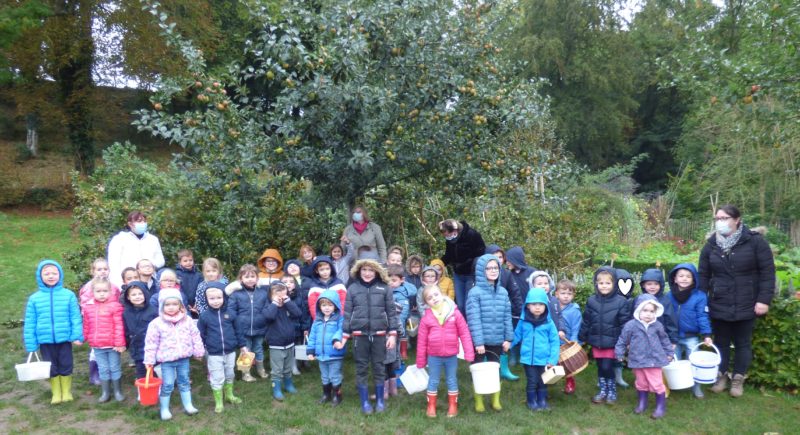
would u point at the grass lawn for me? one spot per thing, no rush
(24, 407)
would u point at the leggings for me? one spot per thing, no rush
(741, 333)
(605, 368)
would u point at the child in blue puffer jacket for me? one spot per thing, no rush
(53, 324)
(325, 345)
(690, 310)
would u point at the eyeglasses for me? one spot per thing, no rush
(722, 218)
(492, 268)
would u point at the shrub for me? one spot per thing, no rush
(776, 346)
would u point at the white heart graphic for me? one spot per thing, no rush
(625, 286)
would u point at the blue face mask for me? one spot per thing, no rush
(140, 228)
(358, 217)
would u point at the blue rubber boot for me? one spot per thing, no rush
(505, 372)
(380, 406)
(600, 397)
(542, 395)
(186, 400)
(611, 397)
(363, 393)
(277, 394)
(288, 384)
(531, 401)
(164, 402)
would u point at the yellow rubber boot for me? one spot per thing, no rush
(55, 385)
(479, 403)
(66, 388)
(496, 401)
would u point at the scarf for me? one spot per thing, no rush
(441, 311)
(726, 243)
(360, 227)
(681, 296)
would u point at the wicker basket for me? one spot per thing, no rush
(245, 361)
(573, 358)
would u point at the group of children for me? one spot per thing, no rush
(168, 317)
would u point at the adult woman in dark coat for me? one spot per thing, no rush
(737, 271)
(464, 245)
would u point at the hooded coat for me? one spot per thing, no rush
(170, 339)
(516, 293)
(488, 308)
(668, 317)
(461, 252)
(318, 286)
(435, 339)
(554, 309)
(324, 333)
(218, 329)
(103, 326)
(52, 314)
(247, 307)
(537, 336)
(280, 323)
(647, 344)
(136, 320)
(369, 307)
(445, 282)
(691, 315)
(519, 277)
(415, 280)
(735, 281)
(604, 316)
(266, 277)
(189, 279)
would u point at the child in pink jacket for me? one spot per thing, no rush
(103, 329)
(172, 338)
(440, 329)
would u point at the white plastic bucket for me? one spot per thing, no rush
(679, 375)
(704, 364)
(485, 377)
(414, 380)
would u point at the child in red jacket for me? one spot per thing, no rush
(104, 330)
(440, 329)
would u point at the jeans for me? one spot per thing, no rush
(175, 370)
(220, 369)
(370, 350)
(462, 284)
(741, 333)
(331, 371)
(685, 346)
(435, 364)
(255, 344)
(108, 364)
(533, 375)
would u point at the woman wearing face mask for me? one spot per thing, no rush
(464, 245)
(361, 232)
(130, 245)
(738, 273)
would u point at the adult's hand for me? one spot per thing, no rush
(761, 309)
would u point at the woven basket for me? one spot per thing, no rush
(245, 361)
(573, 358)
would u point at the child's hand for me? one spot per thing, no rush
(338, 345)
(506, 346)
(305, 335)
(621, 359)
(669, 358)
(119, 349)
(708, 341)
(278, 301)
(198, 358)
(311, 357)
(480, 350)
(562, 335)
(148, 366)
(193, 309)
(345, 240)
(390, 342)
(77, 343)
(244, 349)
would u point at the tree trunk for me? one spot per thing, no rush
(32, 141)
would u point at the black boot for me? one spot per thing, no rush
(326, 393)
(337, 394)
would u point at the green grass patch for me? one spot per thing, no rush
(24, 407)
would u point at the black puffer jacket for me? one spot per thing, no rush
(736, 281)
(136, 320)
(604, 316)
(462, 252)
(369, 308)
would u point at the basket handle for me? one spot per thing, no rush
(147, 377)
(31, 354)
(703, 344)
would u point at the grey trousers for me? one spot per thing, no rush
(370, 350)
(281, 362)
(220, 369)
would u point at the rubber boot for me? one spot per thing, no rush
(531, 400)
(277, 394)
(698, 391)
(600, 397)
(642, 406)
(513, 356)
(496, 402)
(186, 401)
(228, 393)
(218, 405)
(404, 348)
(569, 387)
(661, 406)
(393, 387)
(262, 373)
(479, 403)
(288, 384)
(326, 394)
(737, 385)
(618, 377)
(363, 394)
(164, 402)
(386, 390)
(380, 405)
(431, 411)
(55, 387)
(295, 369)
(105, 395)
(721, 384)
(118, 396)
(611, 397)
(337, 395)
(452, 404)
(542, 395)
(505, 373)
(66, 388)
(247, 377)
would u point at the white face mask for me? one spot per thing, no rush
(723, 227)
(453, 237)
